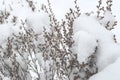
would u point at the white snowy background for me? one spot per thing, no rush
(86, 31)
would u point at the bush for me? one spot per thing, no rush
(25, 54)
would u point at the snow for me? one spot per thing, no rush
(115, 10)
(2, 77)
(84, 45)
(40, 60)
(87, 31)
(107, 48)
(37, 21)
(108, 19)
(6, 30)
(4, 36)
(112, 72)
(92, 26)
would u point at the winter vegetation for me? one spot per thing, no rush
(38, 44)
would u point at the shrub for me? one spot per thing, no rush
(25, 54)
